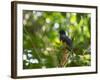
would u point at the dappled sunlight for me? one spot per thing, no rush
(42, 47)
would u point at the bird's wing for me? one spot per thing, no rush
(69, 42)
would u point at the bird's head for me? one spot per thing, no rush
(62, 32)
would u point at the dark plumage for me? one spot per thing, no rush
(65, 39)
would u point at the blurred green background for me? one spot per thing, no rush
(41, 45)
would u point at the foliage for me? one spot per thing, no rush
(41, 45)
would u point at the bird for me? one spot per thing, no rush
(67, 46)
(65, 39)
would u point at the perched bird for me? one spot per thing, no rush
(67, 46)
(64, 38)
